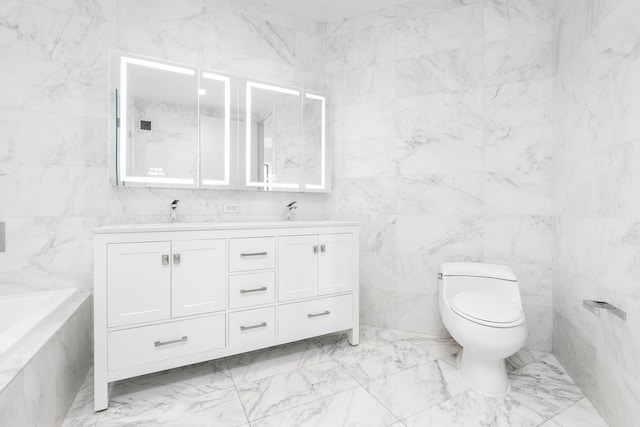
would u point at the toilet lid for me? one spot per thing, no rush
(486, 307)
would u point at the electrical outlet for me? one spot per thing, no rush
(2, 237)
(231, 208)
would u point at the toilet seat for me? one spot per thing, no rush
(486, 309)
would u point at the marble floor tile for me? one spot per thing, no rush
(392, 376)
(580, 414)
(337, 345)
(353, 407)
(411, 391)
(274, 360)
(284, 391)
(220, 408)
(370, 365)
(544, 386)
(472, 409)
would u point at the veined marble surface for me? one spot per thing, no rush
(393, 378)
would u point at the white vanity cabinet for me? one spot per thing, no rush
(169, 295)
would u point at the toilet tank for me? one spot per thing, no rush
(456, 277)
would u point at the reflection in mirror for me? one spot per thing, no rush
(273, 137)
(314, 137)
(215, 129)
(158, 134)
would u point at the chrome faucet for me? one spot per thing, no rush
(291, 206)
(173, 217)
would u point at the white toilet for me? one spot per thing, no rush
(481, 308)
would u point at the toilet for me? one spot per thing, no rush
(481, 308)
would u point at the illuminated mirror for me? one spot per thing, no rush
(314, 142)
(273, 137)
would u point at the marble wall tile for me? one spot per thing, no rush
(446, 153)
(449, 71)
(507, 19)
(518, 148)
(447, 30)
(457, 114)
(441, 194)
(518, 193)
(366, 158)
(104, 10)
(419, 313)
(362, 85)
(519, 104)
(357, 23)
(513, 60)
(367, 47)
(258, 9)
(375, 120)
(527, 239)
(419, 8)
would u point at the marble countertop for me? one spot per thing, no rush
(198, 226)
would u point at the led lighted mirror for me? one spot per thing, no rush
(175, 125)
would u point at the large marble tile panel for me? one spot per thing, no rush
(337, 346)
(373, 83)
(506, 19)
(417, 8)
(12, 403)
(377, 233)
(410, 391)
(378, 307)
(414, 273)
(374, 195)
(527, 58)
(418, 312)
(57, 140)
(104, 10)
(255, 365)
(309, 52)
(545, 387)
(573, 28)
(518, 193)
(361, 22)
(448, 365)
(457, 114)
(354, 407)
(309, 26)
(447, 30)
(617, 180)
(539, 326)
(449, 71)
(42, 85)
(374, 120)
(580, 414)
(521, 239)
(280, 392)
(518, 148)
(259, 9)
(442, 238)
(432, 153)
(441, 194)
(85, 42)
(617, 397)
(474, 409)
(519, 104)
(378, 271)
(256, 37)
(353, 50)
(376, 363)
(365, 158)
(221, 407)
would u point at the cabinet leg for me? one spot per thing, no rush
(354, 336)
(100, 395)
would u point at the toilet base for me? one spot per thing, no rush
(488, 377)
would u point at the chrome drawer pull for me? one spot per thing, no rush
(176, 259)
(261, 325)
(246, 291)
(161, 343)
(315, 249)
(323, 248)
(253, 254)
(325, 313)
(165, 259)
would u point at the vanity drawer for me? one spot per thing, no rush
(316, 317)
(137, 346)
(246, 290)
(252, 326)
(254, 253)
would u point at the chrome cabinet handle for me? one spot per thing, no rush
(260, 325)
(315, 249)
(253, 254)
(323, 248)
(176, 258)
(165, 259)
(161, 343)
(324, 313)
(246, 291)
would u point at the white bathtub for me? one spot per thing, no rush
(21, 314)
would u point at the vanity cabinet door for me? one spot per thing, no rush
(297, 267)
(199, 277)
(336, 263)
(139, 282)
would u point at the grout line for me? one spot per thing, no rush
(235, 387)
